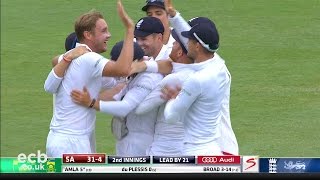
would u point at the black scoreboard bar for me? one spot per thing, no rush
(174, 160)
(155, 160)
(128, 160)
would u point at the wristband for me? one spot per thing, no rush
(152, 66)
(92, 103)
(64, 57)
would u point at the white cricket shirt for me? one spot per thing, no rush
(199, 106)
(69, 117)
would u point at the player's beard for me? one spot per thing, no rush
(104, 46)
(101, 47)
(171, 56)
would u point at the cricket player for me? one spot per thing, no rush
(72, 126)
(140, 128)
(168, 137)
(199, 103)
(156, 8)
(227, 140)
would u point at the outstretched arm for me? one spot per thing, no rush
(164, 66)
(117, 108)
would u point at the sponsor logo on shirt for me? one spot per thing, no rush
(98, 62)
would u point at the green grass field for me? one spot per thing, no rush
(271, 48)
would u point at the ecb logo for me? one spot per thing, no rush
(41, 157)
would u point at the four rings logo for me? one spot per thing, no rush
(209, 159)
(250, 164)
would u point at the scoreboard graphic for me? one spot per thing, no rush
(102, 163)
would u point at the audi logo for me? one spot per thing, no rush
(209, 159)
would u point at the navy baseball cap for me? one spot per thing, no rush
(138, 53)
(176, 37)
(206, 34)
(158, 3)
(71, 41)
(197, 20)
(148, 25)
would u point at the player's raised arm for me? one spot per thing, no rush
(126, 20)
(169, 8)
(122, 66)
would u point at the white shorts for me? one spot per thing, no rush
(59, 144)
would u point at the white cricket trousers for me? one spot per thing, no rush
(134, 144)
(211, 148)
(61, 143)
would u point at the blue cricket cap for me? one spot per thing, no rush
(138, 53)
(71, 41)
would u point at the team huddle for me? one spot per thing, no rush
(167, 89)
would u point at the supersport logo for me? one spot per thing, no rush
(251, 161)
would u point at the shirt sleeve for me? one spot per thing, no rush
(118, 97)
(154, 100)
(176, 108)
(108, 82)
(53, 81)
(129, 102)
(180, 24)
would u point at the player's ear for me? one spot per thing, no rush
(87, 34)
(198, 46)
(180, 51)
(160, 36)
